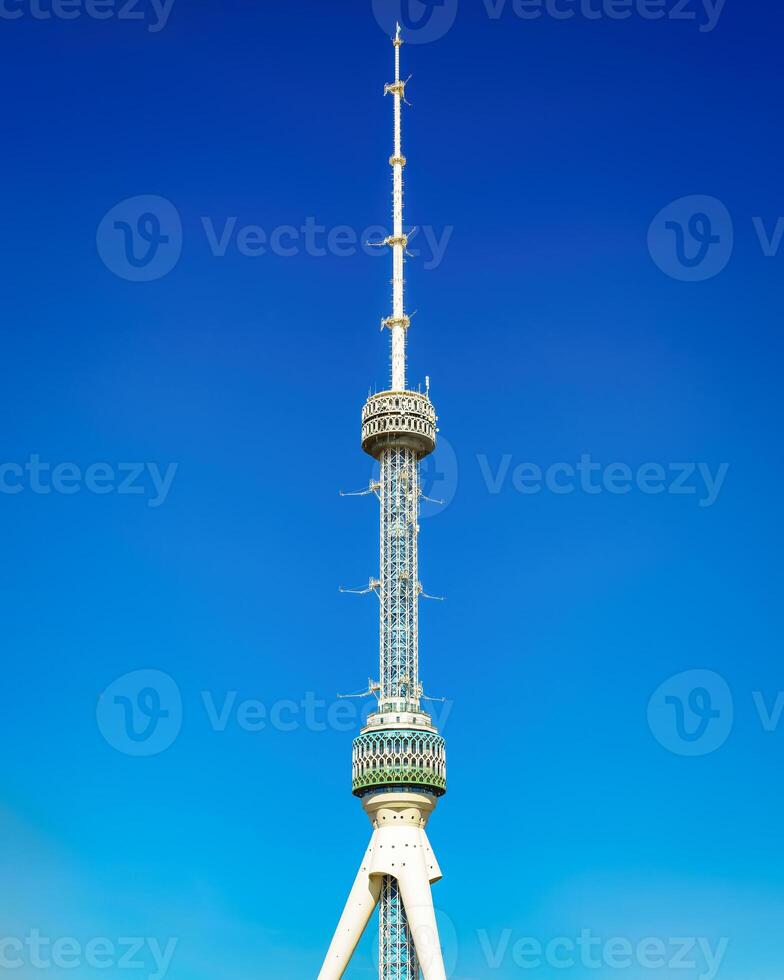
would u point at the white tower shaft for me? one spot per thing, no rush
(398, 322)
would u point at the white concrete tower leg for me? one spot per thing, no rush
(418, 902)
(361, 904)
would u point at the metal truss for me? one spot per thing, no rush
(399, 589)
(397, 955)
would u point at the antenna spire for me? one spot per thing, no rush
(398, 322)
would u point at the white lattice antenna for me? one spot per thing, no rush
(398, 323)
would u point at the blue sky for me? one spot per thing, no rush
(194, 429)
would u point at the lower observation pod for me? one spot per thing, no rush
(393, 757)
(399, 849)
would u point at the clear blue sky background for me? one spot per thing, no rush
(548, 147)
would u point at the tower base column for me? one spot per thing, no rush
(361, 904)
(399, 849)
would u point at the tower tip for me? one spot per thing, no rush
(397, 38)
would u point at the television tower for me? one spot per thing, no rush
(399, 759)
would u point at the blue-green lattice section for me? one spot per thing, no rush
(396, 944)
(399, 757)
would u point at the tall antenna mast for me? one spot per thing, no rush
(398, 323)
(399, 758)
